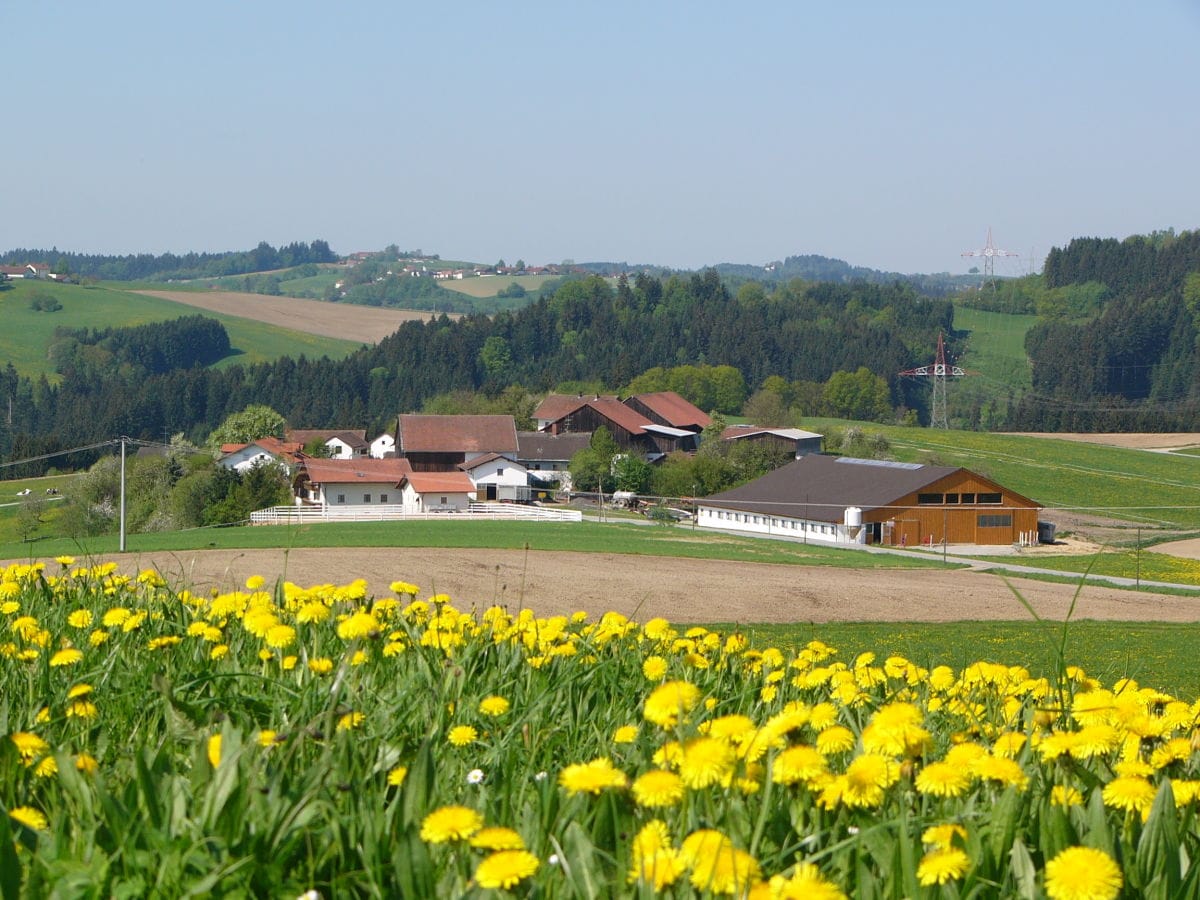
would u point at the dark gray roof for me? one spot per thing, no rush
(541, 445)
(821, 487)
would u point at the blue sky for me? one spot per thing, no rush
(889, 135)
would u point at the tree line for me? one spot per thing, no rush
(587, 331)
(149, 267)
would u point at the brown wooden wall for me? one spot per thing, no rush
(913, 523)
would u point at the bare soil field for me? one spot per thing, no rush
(365, 324)
(1130, 441)
(680, 590)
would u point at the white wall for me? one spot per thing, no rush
(356, 494)
(417, 503)
(382, 445)
(500, 471)
(780, 526)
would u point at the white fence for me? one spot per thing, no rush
(393, 512)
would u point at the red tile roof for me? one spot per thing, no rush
(616, 411)
(555, 406)
(677, 412)
(351, 471)
(455, 434)
(288, 450)
(433, 482)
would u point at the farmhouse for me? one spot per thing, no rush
(547, 457)
(632, 431)
(423, 492)
(842, 500)
(495, 476)
(795, 441)
(349, 482)
(442, 443)
(241, 457)
(341, 443)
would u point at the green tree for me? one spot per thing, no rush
(632, 473)
(496, 358)
(766, 408)
(29, 516)
(858, 395)
(253, 422)
(593, 468)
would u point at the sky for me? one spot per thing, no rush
(678, 134)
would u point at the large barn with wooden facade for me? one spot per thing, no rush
(843, 500)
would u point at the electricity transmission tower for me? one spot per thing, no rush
(989, 252)
(938, 373)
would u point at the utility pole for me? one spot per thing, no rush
(937, 373)
(122, 541)
(989, 252)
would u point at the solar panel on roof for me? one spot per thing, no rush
(886, 463)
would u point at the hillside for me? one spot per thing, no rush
(28, 332)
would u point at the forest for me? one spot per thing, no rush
(586, 332)
(1118, 350)
(169, 266)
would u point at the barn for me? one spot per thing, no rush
(845, 500)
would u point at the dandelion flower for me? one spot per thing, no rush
(505, 869)
(717, 865)
(1063, 795)
(806, 883)
(497, 838)
(942, 865)
(450, 823)
(669, 701)
(462, 735)
(706, 761)
(29, 817)
(942, 836)
(835, 739)
(396, 776)
(658, 788)
(940, 779)
(322, 665)
(626, 734)
(493, 706)
(1130, 794)
(28, 745)
(655, 861)
(591, 777)
(67, 657)
(654, 668)
(1083, 873)
(80, 618)
(350, 721)
(214, 750)
(86, 763)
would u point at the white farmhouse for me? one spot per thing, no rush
(423, 492)
(498, 477)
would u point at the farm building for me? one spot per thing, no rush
(670, 409)
(442, 443)
(795, 441)
(498, 477)
(349, 482)
(547, 457)
(341, 443)
(842, 500)
(423, 492)
(632, 431)
(242, 457)
(555, 406)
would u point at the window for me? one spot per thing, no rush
(989, 498)
(341, 498)
(383, 498)
(968, 498)
(929, 499)
(366, 498)
(443, 501)
(1001, 521)
(500, 471)
(952, 498)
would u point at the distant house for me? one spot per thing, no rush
(498, 477)
(794, 441)
(547, 457)
(442, 443)
(29, 270)
(382, 446)
(341, 443)
(668, 408)
(423, 492)
(241, 457)
(844, 500)
(349, 482)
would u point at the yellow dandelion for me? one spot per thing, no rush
(799, 764)
(462, 735)
(86, 763)
(706, 761)
(350, 721)
(835, 739)
(942, 865)
(29, 817)
(80, 618)
(1064, 795)
(654, 668)
(505, 869)
(493, 706)
(942, 836)
(322, 665)
(67, 657)
(658, 788)
(29, 745)
(1129, 793)
(45, 767)
(626, 734)
(1083, 873)
(941, 779)
(497, 838)
(214, 750)
(592, 777)
(450, 823)
(669, 701)
(717, 865)
(397, 775)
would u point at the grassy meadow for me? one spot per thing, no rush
(492, 285)
(995, 348)
(319, 742)
(28, 333)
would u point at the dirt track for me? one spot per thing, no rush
(365, 324)
(1130, 441)
(681, 590)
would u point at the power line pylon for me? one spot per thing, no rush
(938, 372)
(989, 252)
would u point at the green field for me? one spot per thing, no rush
(27, 333)
(1146, 489)
(995, 347)
(492, 285)
(581, 537)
